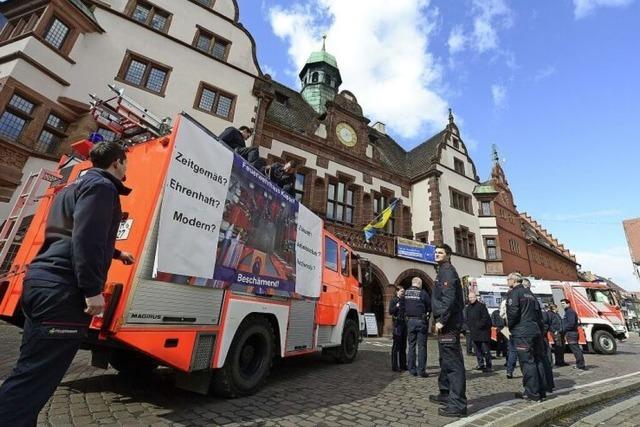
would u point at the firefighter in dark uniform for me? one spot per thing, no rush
(417, 304)
(524, 318)
(399, 347)
(570, 328)
(447, 309)
(62, 288)
(558, 336)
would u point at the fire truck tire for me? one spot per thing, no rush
(348, 349)
(604, 342)
(249, 359)
(131, 363)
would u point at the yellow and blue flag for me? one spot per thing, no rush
(379, 222)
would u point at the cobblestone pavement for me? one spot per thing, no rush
(304, 391)
(623, 414)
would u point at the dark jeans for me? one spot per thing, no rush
(417, 333)
(531, 354)
(576, 349)
(501, 344)
(512, 356)
(468, 342)
(452, 380)
(483, 353)
(399, 348)
(54, 326)
(548, 365)
(558, 348)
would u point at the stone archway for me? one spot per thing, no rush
(374, 298)
(404, 279)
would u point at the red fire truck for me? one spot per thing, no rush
(275, 286)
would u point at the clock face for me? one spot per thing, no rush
(346, 134)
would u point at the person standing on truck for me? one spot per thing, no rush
(284, 176)
(447, 307)
(479, 323)
(417, 304)
(570, 329)
(558, 336)
(62, 288)
(399, 347)
(235, 139)
(524, 318)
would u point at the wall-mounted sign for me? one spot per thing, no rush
(416, 251)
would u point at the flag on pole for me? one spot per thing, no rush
(379, 222)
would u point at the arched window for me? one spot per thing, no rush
(314, 77)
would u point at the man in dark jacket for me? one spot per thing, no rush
(417, 304)
(480, 331)
(447, 305)
(284, 176)
(558, 335)
(62, 288)
(399, 347)
(235, 139)
(501, 343)
(570, 328)
(524, 318)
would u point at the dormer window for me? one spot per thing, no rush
(281, 98)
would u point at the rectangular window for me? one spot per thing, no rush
(211, 44)
(381, 202)
(458, 165)
(52, 135)
(465, 241)
(144, 73)
(56, 33)
(459, 200)
(344, 261)
(15, 117)
(330, 254)
(150, 15)
(485, 208)
(299, 187)
(214, 101)
(340, 202)
(492, 250)
(514, 246)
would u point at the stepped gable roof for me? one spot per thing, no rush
(290, 110)
(534, 231)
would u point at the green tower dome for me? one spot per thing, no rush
(320, 79)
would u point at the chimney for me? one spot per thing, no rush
(379, 126)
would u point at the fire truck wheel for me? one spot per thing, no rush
(249, 359)
(604, 342)
(131, 363)
(348, 350)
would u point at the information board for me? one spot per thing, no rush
(371, 324)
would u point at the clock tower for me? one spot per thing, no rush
(320, 79)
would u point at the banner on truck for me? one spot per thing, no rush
(223, 224)
(416, 251)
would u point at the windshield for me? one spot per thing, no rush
(601, 295)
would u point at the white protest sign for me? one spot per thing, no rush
(194, 198)
(308, 256)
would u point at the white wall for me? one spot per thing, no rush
(420, 209)
(393, 267)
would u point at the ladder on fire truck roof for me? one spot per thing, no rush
(128, 119)
(24, 206)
